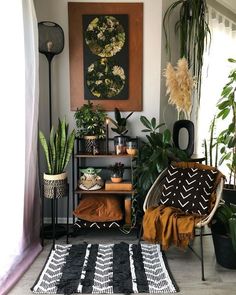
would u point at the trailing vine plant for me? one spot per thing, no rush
(193, 31)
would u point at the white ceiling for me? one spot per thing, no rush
(230, 4)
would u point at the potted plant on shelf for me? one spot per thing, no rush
(117, 171)
(57, 151)
(224, 235)
(227, 138)
(90, 123)
(121, 129)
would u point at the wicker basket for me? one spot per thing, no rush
(58, 181)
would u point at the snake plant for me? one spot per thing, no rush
(59, 148)
(226, 214)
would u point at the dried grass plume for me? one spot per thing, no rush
(180, 84)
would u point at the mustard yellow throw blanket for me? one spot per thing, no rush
(167, 225)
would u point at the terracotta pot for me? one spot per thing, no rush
(116, 179)
(52, 182)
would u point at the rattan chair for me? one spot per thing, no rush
(153, 199)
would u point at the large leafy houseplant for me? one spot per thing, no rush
(90, 120)
(193, 32)
(58, 148)
(155, 155)
(227, 138)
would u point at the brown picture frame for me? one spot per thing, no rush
(135, 14)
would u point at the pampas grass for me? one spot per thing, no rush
(180, 84)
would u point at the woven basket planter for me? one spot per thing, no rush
(58, 181)
(90, 143)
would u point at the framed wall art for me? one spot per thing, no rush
(106, 52)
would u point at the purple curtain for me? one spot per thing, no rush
(20, 201)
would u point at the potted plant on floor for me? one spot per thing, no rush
(120, 128)
(90, 123)
(227, 138)
(57, 151)
(224, 235)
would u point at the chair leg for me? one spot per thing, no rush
(202, 254)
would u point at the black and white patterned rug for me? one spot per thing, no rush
(104, 269)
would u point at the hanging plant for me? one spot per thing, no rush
(193, 31)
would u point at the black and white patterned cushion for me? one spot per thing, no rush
(188, 189)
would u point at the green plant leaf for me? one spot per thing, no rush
(145, 130)
(117, 115)
(63, 141)
(52, 150)
(223, 104)
(70, 145)
(232, 60)
(44, 144)
(145, 122)
(153, 123)
(224, 113)
(166, 137)
(226, 91)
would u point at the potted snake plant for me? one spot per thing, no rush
(57, 151)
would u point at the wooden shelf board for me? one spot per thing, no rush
(103, 191)
(103, 156)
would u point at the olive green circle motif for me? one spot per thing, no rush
(105, 79)
(105, 36)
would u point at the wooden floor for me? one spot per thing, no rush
(184, 265)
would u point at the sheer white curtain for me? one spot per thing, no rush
(19, 202)
(216, 69)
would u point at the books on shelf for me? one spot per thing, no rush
(125, 185)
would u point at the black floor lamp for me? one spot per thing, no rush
(51, 43)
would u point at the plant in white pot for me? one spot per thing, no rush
(90, 123)
(227, 137)
(57, 151)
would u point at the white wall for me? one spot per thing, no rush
(56, 11)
